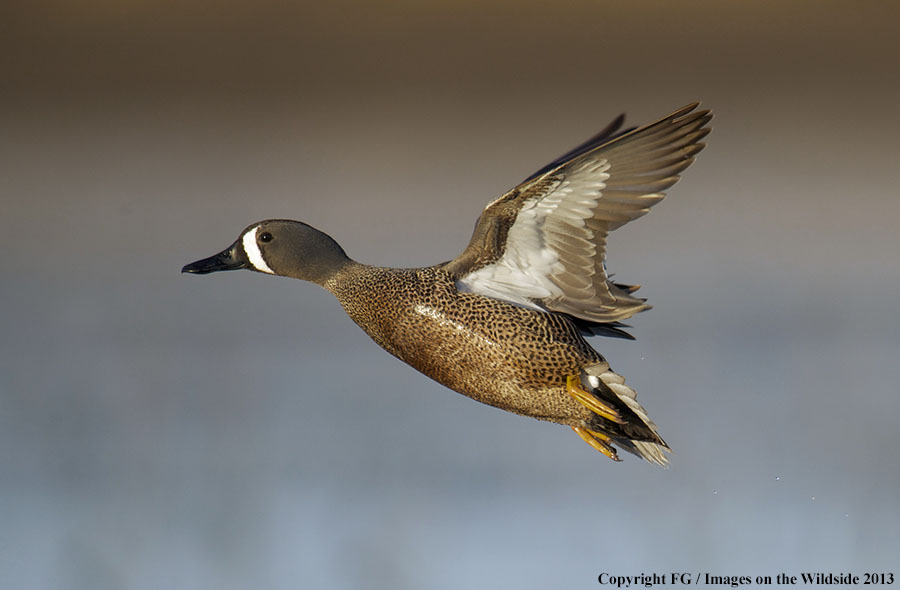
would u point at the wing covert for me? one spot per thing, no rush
(543, 243)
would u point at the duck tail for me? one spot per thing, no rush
(635, 432)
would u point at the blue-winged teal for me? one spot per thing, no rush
(505, 322)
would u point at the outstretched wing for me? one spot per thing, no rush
(611, 131)
(543, 243)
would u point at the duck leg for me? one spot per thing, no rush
(597, 440)
(591, 402)
(626, 423)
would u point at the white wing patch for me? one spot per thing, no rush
(524, 272)
(251, 248)
(554, 253)
(521, 273)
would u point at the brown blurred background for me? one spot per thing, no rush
(159, 430)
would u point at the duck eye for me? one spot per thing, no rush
(265, 237)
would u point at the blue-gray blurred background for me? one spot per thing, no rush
(237, 431)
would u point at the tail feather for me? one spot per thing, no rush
(638, 434)
(648, 451)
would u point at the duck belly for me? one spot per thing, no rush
(499, 354)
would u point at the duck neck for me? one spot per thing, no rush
(314, 256)
(325, 273)
(343, 277)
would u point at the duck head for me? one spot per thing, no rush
(278, 247)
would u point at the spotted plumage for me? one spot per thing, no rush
(487, 349)
(504, 323)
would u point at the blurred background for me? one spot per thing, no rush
(237, 431)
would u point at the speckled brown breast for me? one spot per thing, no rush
(499, 354)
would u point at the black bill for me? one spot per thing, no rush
(230, 259)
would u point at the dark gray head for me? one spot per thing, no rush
(279, 247)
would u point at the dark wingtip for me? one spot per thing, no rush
(610, 132)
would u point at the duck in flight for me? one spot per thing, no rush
(505, 322)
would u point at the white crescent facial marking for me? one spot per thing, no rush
(252, 250)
